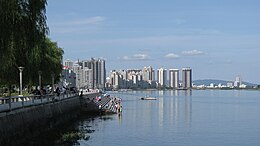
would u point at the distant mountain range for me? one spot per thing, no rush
(207, 82)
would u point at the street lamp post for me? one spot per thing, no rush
(40, 78)
(52, 80)
(78, 83)
(21, 79)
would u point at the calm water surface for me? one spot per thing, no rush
(198, 117)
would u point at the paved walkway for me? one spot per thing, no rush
(20, 102)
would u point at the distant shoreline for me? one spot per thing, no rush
(252, 89)
(125, 90)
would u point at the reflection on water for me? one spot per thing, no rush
(174, 92)
(152, 118)
(162, 118)
(180, 92)
(161, 92)
(161, 111)
(119, 117)
(175, 108)
(188, 110)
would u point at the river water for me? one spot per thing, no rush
(197, 117)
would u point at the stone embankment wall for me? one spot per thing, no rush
(33, 120)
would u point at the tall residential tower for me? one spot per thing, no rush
(186, 78)
(148, 73)
(161, 76)
(174, 78)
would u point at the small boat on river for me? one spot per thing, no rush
(148, 98)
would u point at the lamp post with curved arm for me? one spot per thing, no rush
(40, 78)
(21, 79)
(52, 81)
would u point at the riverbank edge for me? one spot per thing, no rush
(125, 90)
(19, 125)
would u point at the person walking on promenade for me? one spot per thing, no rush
(81, 93)
(58, 91)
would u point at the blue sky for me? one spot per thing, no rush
(217, 39)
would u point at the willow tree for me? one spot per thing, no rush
(23, 29)
(49, 61)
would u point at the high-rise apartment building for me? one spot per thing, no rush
(77, 69)
(238, 81)
(123, 74)
(102, 73)
(83, 76)
(87, 75)
(68, 64)
(98, 68)
(148, 73)
(131, 72)
(186, 78)
(115, 79)
(161, 76)
(174, 78)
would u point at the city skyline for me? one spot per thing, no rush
(172, 75)
(86, 74)
(91, 74)
(217, 39)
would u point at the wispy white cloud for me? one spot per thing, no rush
(84, 25)
(193, 53)
(91, 20)
(79, 22)
(178, 42)
(171, 56)
(137, 57)
(141, 56)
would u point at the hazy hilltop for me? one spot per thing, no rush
(207, 82)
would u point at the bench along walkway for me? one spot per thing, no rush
(16, 102)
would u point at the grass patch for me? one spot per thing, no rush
(72, 137)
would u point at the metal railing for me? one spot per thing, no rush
(8, 104)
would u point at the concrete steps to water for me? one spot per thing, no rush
(107, 104)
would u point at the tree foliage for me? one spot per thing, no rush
(23, 42)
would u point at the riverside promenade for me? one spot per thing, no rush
(24, 117)
(8, 104)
